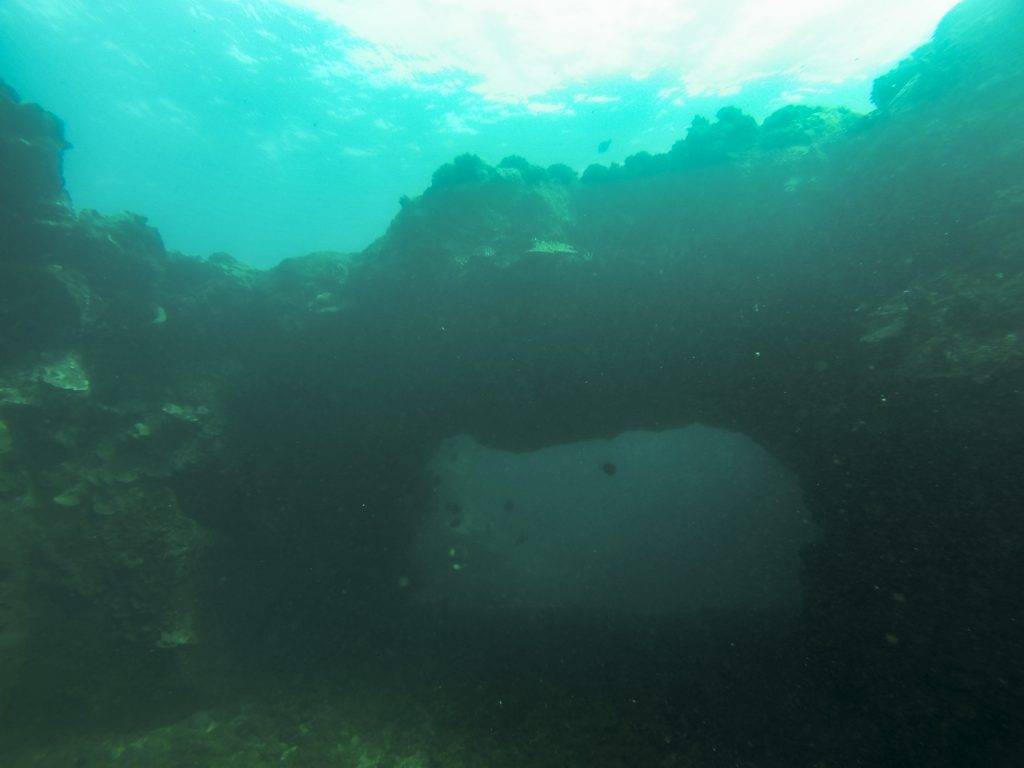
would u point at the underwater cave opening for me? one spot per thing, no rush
(673, 522)
(527, 556)
(603, 553)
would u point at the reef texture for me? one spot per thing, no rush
(197, 458)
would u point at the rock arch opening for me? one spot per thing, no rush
(650, 523)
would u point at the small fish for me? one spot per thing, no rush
(603, 146)
(609, 469)
(509, 505)
(520, 539)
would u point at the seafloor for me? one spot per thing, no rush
(210, 474)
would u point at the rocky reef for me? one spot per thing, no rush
(205, 466)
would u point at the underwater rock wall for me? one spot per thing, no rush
(109, 397)
(177, 434)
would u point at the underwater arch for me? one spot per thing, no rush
(677, 522)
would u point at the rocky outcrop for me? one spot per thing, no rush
(108, 396)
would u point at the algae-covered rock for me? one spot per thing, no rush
(132, 568)
(316, 283)
(953, 325)
(64, 373)
(55, 382)
(191, 413)
(548, 246)
(72, 497)
(477, 215)
(10, 394)
(15, 603)
(888, 321)
(802, 126)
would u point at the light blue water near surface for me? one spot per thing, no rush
(226, 123)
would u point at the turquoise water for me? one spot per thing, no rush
(473, 384)
(264, 112)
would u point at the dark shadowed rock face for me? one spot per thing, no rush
(200, 462)
(31, 149)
